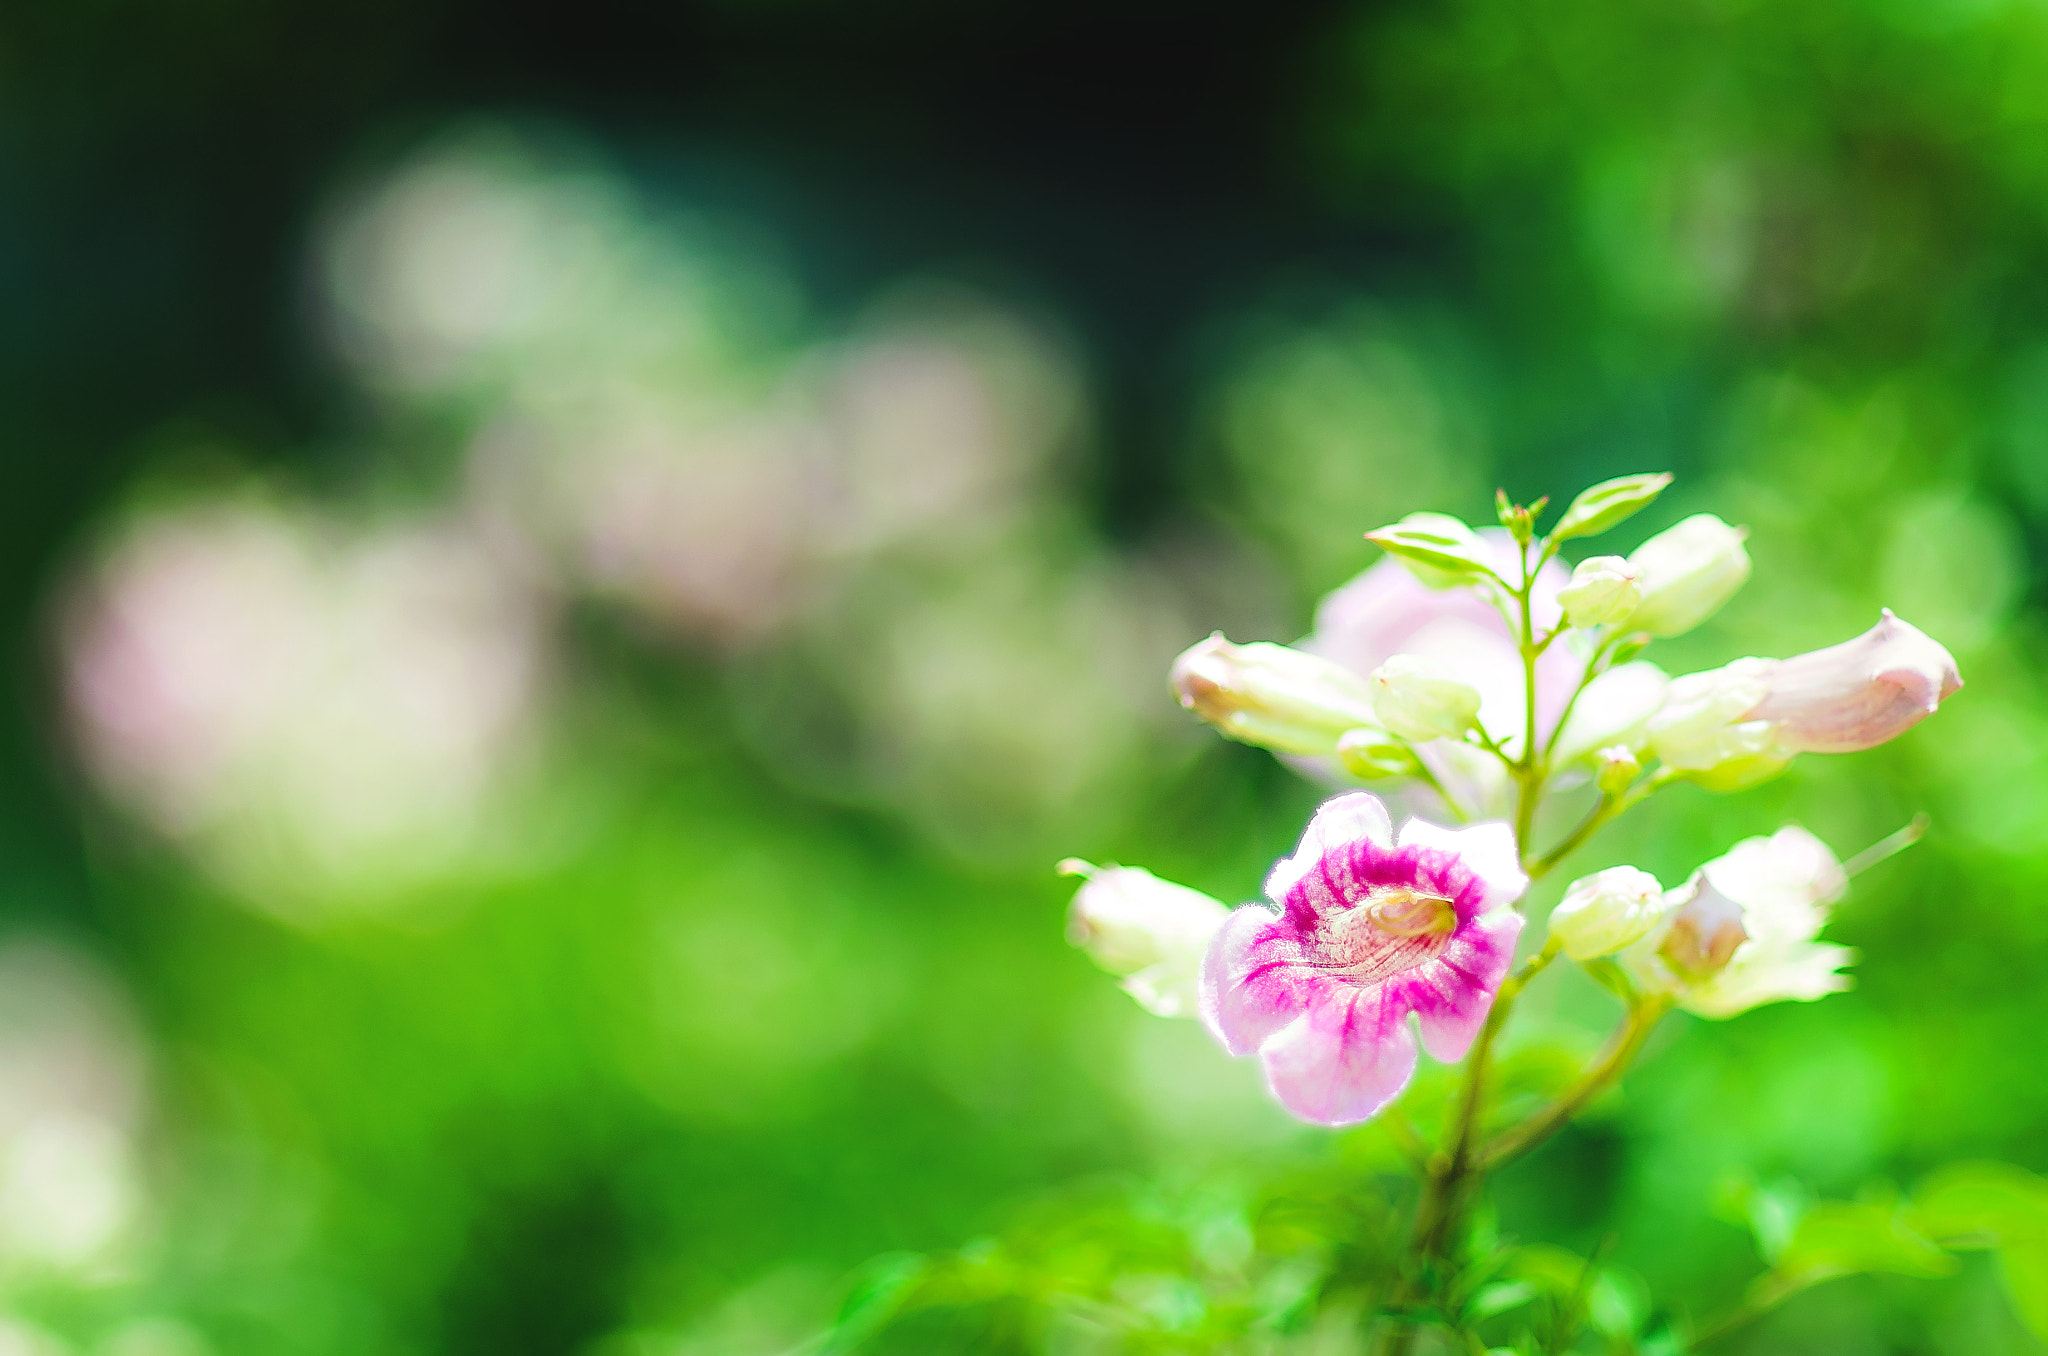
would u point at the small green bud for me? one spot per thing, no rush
(1617, 769)
(1603, 589)
(1370, 753)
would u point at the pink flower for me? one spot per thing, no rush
(1369, 931)
(1387, 611)
(1860, 693)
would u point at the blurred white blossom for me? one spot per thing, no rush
(71, 1101)
(308, 708)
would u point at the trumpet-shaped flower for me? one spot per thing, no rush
(1369, 930)
(1745, 927)
(1150, 932)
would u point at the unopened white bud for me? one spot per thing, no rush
(1604, 912)
(1615, 769)
(1150, 932)
(1274, 696)
(1420, 699)
(1687, 572)
(1603, 589)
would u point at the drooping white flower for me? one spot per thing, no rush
(1735, 725)
(1860, 693)
(1271, 695)
(1688, 571)
(1604, 912)
(1422, 699)
(1149, 932)
(1745, 928)
(1603, 589)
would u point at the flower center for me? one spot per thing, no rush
(1393, 929)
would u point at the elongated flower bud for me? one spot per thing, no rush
(1420, 699)
(1604, 912)
(1688, 571)
(1272, 695)
(1860, 693)
(1149, 932)
(1603, 589)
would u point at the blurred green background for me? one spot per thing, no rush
(569, 574)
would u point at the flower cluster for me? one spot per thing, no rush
(1472, 675)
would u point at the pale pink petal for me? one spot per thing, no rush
(1386, 611)
(1452, 994)
(1341, 820)
(1860, 693)
(1487, 850)
(1343, 1060)
(1256, 979)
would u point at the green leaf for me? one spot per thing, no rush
(1440, 550)
(2025, 1269)
(1498, 1298)
(1982, 1205)
(1994, 1205)
(1841, 1238)
(876, 1295)
(1617, 1304)
(1607, 504)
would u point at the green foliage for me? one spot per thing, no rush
(1608, 504)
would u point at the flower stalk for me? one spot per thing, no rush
(1441, 669)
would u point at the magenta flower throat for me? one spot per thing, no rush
(1369, 931)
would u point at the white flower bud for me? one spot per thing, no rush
(1615, 769)
(1603, 589)
(1420, 699)
(1687, 571)
(1272, 695)
(1701, 729)
(1152, 933)
(1860, 693)
(1604, 912)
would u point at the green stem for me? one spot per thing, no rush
(1621, 1051)
(1529, 772)
(1438, 1210)
(1450, 802)
(1602, 814)
(1592, 671)
(1762, 1300)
